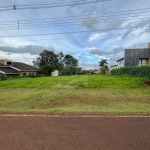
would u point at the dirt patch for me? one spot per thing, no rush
(147, 83)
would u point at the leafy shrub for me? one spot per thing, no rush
(104, 71)
(2, 79)
(137, 71)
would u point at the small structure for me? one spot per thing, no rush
(55, 73)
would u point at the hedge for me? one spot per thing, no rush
(138, 71)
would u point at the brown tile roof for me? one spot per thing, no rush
(9, 70)
(24, 67)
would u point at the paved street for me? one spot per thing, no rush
(74, 133)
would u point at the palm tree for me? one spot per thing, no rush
(103, 66)
(103, 63)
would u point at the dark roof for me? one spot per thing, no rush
(24, 67)
(9, 70)
(113, 66)
(120, 59)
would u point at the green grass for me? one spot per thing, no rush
(73, 95)
(85, 81)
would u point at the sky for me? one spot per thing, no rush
(89, 30)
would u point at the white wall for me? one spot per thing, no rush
(55, 73)
(111, 68)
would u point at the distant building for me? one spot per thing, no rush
(134, 57)
(10, 68)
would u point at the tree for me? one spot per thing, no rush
(71, 62)
(49, 58)
(36, 63)
(60, 64)
(47, 69)
(47, 62)
(66, 71)
(103, 66)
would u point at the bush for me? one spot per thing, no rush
(3, 78)
(34, 76)
(137, 71)
(47, 69)
(104, 71)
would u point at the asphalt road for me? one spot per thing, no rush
(74, 133)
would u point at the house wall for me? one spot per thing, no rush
(132, 56)
(28, 73)
(111, 68)
(120, 65)
(4, 62)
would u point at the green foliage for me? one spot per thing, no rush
(66, 71)
(47, 69)
(70, 61)
(3, 78)
(33, 76)
(58, 60)
(103, 66)
(103, 70)
(91, 71)
(84, 81)
(83, 72)
(48, 58)
(137, 71)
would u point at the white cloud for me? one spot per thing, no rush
(96, 36)
(30, 49)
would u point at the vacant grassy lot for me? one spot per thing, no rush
(88, 94)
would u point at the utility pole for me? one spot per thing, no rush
(18, 24)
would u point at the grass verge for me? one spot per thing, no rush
(84, 95)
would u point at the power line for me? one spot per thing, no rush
(40, 3)
(68, 24)
(51, 3)
(53, 6)
(30, 25)
(73, 37)
(73, 32)
(62, 5)
(82, 15)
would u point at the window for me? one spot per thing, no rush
(143, 61)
